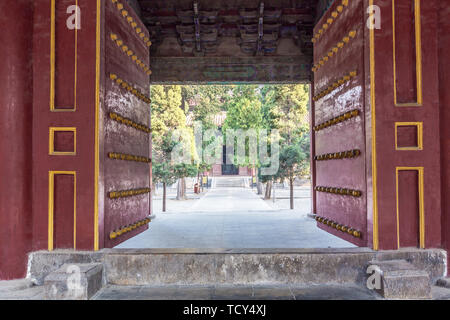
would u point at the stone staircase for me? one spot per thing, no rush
(399, 279)
(230, 182)
(238, 273)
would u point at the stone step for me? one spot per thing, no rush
(399, 279)
(233, 292)
(229, 182)
(252, 266)
(241, 267)
(74, 282)
(236, 267)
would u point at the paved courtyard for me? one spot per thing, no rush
(234, 217)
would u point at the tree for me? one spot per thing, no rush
(162, 169)
(244, 113)
(291, 160)
(183, 171)
(164, 173)
(285, 108)
(166, 117)
(257, 107)
(267, 179)
(166, 112)
(205, 102)
(186, 165)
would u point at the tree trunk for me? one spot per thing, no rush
(259, 187)
(291, 185)
(180, 189)
(164, 197)
(251, 183)
(268, 194)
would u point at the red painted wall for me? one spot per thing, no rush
(444, 95)
(83, 119)
(16, 104)
(387, 114)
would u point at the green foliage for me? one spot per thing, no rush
(166, 112)
(244, 113)
(203, 167)
(281, 107)
(304, 143)
(167, 115)
(205, 102)
(162, 169)
(285, 108)
(184, 170)
(291, 159)
(163, 173)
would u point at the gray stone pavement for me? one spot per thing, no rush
(233, 218)
(228, 292)
(32, 293)
(223, 292)
(302, 199)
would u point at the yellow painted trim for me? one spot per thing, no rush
(419, 126)
(334, 15)
(335, 49)
(418, 36)
(53, 62)
(51, 207)
(51, 142)
(374, 138)
(76, 62)
(420, 171)
(52, 54)
(97, 141)
(143, 66)
(417, 13)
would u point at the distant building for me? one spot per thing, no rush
(223, 169)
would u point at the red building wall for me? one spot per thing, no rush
(405, 52)
(444, 96)
(65, 98)
(16, 102)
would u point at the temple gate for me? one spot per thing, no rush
(75, 130)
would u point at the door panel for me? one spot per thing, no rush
(339, 122)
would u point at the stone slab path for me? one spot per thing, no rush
(233, 218)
